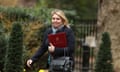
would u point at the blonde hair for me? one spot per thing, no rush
(61, 14)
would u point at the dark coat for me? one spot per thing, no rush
(69, 50)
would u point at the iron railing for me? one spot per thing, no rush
(84, 54)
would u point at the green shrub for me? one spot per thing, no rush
(3, 46)
(14, 54)
(104, 57)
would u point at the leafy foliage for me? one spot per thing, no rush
(85, 9)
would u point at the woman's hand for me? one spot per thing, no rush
(51, 48)
(29, 62)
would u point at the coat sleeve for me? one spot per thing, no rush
(43, 48)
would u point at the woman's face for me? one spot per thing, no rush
(56, 21)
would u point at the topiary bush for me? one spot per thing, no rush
(14, 54)
(3, 46)
(104, 56)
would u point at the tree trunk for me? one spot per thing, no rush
(109, 21)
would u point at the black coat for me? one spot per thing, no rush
(69, 50)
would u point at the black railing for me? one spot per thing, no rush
(84, 53)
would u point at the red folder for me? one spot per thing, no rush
(58, 40)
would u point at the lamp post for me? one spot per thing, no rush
(85, 57)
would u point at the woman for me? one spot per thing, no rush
(59, 24)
